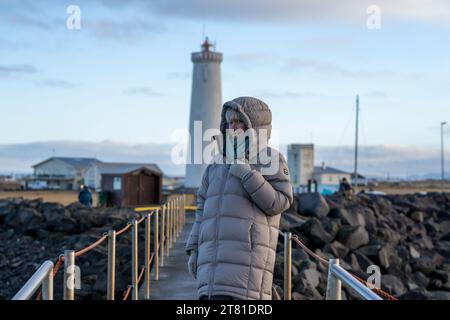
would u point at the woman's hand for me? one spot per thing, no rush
(192, 264)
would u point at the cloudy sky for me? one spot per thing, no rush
(119, 87)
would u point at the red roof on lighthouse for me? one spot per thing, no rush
(206, 45)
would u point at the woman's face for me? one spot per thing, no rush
(235, 124)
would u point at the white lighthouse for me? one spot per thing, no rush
(206, 103)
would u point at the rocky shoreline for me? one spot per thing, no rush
(406, 236)
(32, 231)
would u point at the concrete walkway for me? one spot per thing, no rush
(175, 282)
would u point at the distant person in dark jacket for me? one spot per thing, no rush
(85, 196)
(345, 188)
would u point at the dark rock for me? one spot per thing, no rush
(417, 216)
(336, 249)
(288, 219)
(416, 294)
(347, 218)
(392, 285)
(379, 253)
(424, 265)
(443, 248)
(359, 263)
(444, 226)
(23, 217)
(432, 227)
(315, 232)
(312, 204)
(439, 295)
(332, 226)
(353, 237)
(435, 284)
(445, 237)
(444, 276)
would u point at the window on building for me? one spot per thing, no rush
(117, 183)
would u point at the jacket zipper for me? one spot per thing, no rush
(216, 234)
(251, 236)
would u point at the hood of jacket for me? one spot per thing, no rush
(256, 113)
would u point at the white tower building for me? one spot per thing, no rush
(206, 106)
(301, 164)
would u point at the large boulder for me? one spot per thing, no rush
(348, 217)
(379, 253)
(336, 249)
(392, 285)
(316, 234)
(312, 204)
(415, 294)
(24, 219)
(353, 237)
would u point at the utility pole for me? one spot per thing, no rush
(442, 155)
(356, 146)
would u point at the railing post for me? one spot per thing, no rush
(174, 235)
(333, 283)
(156, 239)
(47, 286)
(167, 239)
(134, 260)
(178, 216)
(175, 214)
(69, 275)
(163, 234)
(184, 209)
(170, 223)
(147, 255)
(111, 286)
(287, 265)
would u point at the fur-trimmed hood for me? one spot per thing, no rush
(256, 112)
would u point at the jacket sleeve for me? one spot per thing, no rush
(271, 193)
(192, 242)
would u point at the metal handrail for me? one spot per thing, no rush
(165, 234)
(43, 276)
(336, 275)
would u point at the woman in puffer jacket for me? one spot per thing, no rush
(232, 244)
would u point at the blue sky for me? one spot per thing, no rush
(125, 77)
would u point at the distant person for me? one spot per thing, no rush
(85, 196)
(346, 189)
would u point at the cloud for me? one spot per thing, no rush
(300, 11)
(252, 58)
(148, 91)
(288, 94)
(16, 70)
(124, 31)
(56, 83)
(179, 75)
(324, 68)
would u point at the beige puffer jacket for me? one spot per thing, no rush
(236, 225)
